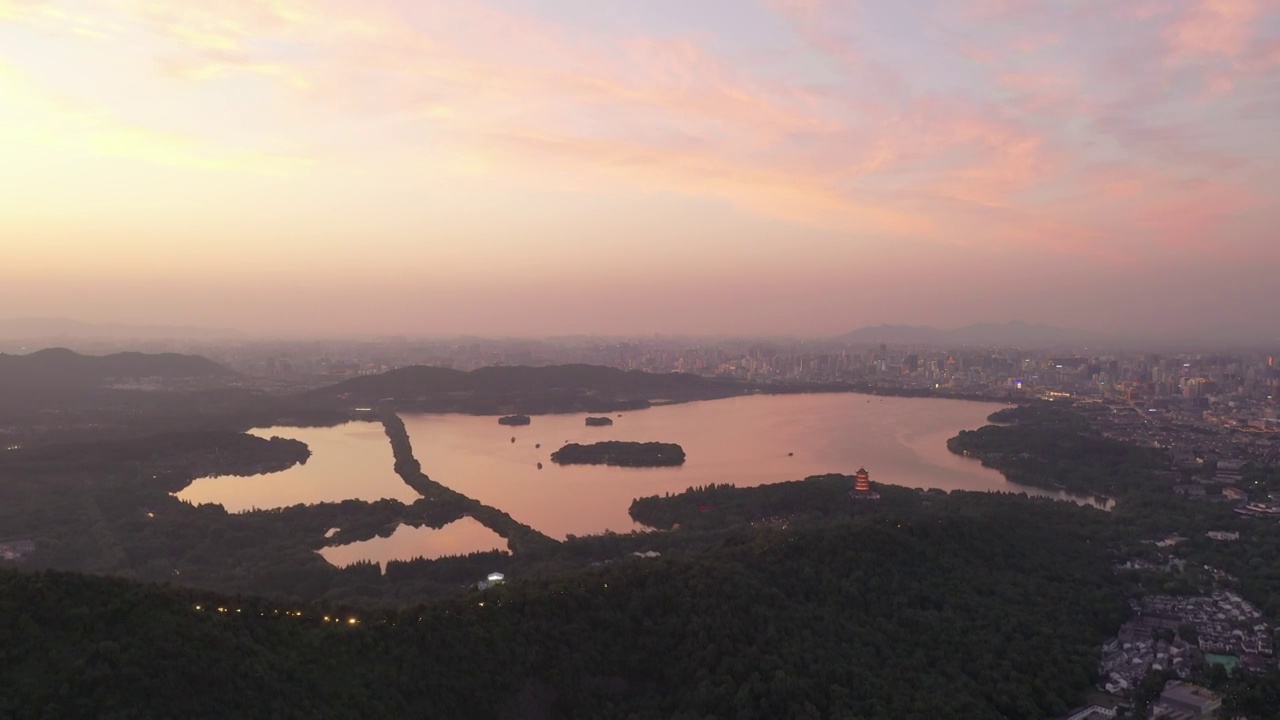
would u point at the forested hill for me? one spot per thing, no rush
(538, 389)
(992, 612)
(58, 368)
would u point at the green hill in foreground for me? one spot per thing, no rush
(986, 608)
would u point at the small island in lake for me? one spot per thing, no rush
(514, 420)
(622, 454)
(598, 421)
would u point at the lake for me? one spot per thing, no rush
(744, 441)
(348, 462)
(461, 537)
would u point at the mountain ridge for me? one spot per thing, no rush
(513, 378)
(522, 388)
(66, 368)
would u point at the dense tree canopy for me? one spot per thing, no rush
(998, 607)
(780, 601)
(625, 454)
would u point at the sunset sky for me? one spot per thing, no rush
(638, 166)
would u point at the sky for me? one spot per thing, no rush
(535, 167)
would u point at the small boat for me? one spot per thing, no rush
(791, 454)
(539, 466)
(537, 445)
(513, 438)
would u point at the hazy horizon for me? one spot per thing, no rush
(510, 168)
(30, 335)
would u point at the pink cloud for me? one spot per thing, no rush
(1213, 27)
(1220, 40)
(877, 152)
(817, 21)
(1038, 92)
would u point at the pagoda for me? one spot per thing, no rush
(862, 486)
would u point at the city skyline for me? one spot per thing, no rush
(801, 167)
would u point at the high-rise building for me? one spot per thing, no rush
(910, 364)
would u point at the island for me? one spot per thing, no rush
(622, 454)
(598, 421)
(514, 420)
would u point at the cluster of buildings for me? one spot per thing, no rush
(1224, 622)
(1135, 652)
(16, 550)
(1233, 389)
(1208, 460)
(1172, 633)
(1164, 563)
(1216, 452)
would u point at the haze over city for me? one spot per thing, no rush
(511, 167)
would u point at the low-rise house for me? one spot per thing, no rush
(1190, 701)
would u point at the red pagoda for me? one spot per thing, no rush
(862, 486)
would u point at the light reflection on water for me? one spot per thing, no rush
(744, 441)
(351, 461)
(461, 537)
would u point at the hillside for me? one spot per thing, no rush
(1002, 603)
(61, 368)
(552, 388)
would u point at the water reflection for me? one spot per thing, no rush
(348, 462)
(461, 537)
(746, 441)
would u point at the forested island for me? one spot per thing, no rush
(620, 453)
(515, 420)
(599, 421)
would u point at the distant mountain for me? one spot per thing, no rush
(895, 335)
(551, 388)
(43, 328)
(1015, 333)
(62, 368)
(1218, 337)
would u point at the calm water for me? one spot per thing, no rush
(743, 441)
(351, 461)
(461, 537)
